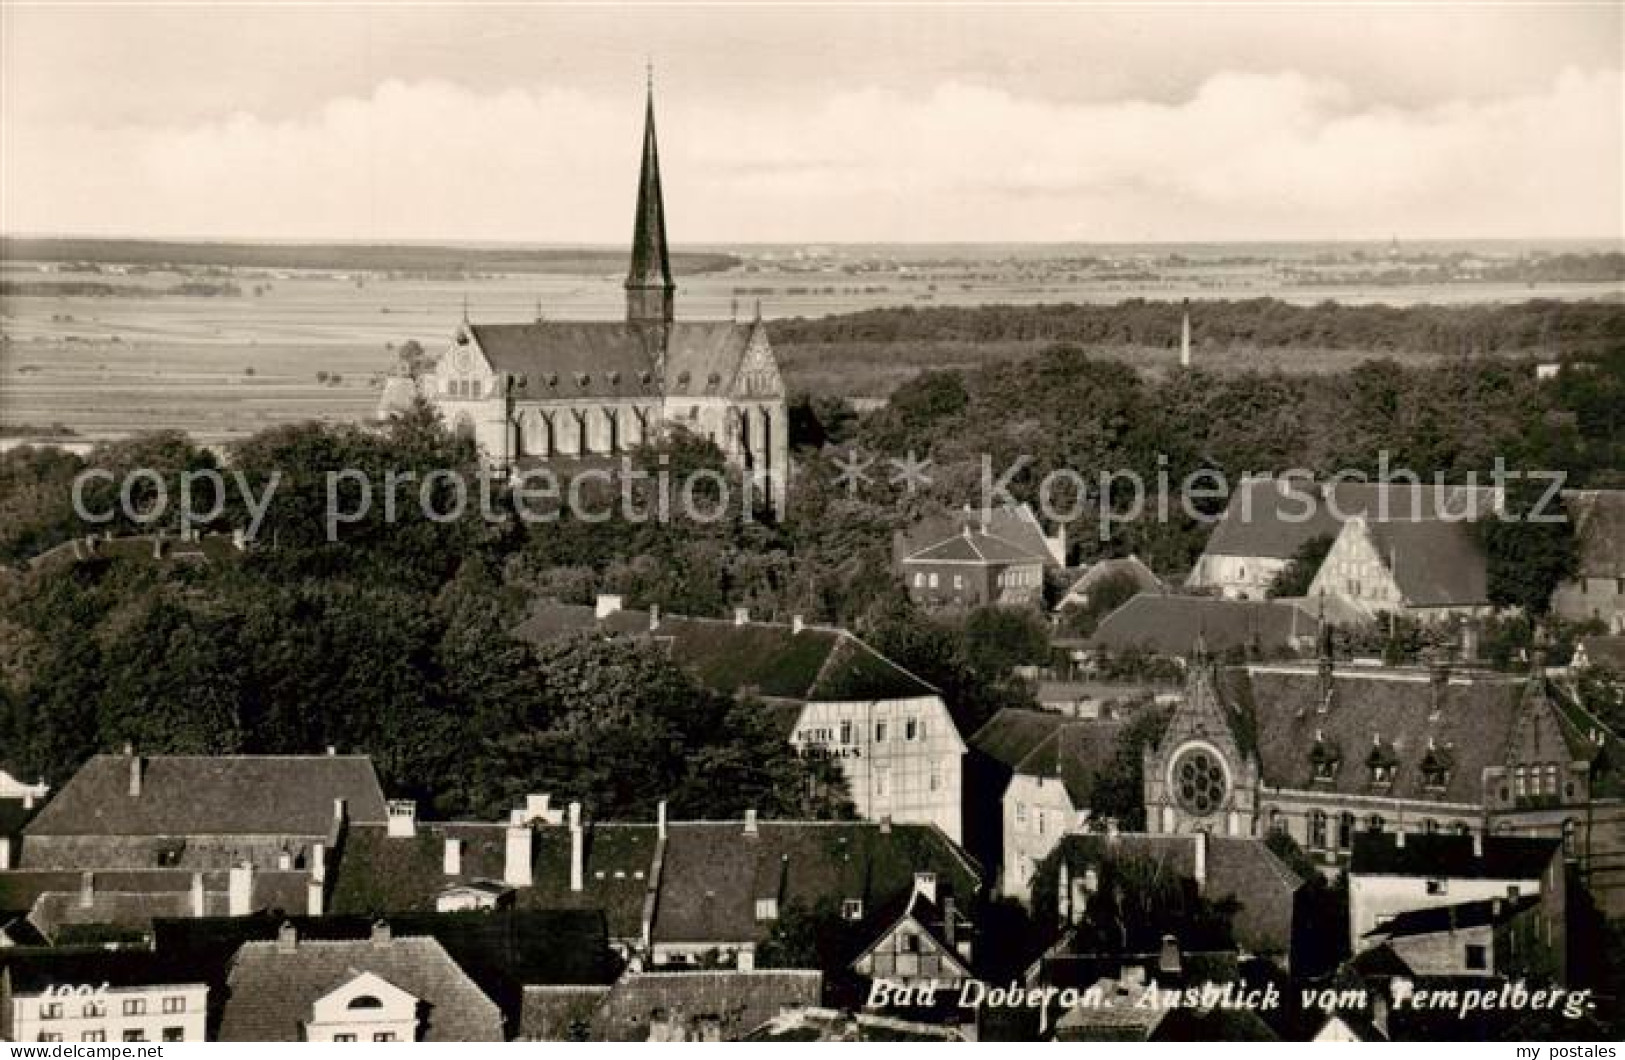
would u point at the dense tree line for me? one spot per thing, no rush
(1535, 325)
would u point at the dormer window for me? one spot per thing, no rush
(767, 909)
(1323, 760)
(614, 379)
(582, 379)
(1382, 774)
(1436, 771)
(645, 378)
(852, 909)
(1382, 762)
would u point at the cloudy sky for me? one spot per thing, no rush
(858, 122)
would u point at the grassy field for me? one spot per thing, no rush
(226, 365)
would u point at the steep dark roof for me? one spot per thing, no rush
(35, 972)
(212, 796)
(974, 546)
(593, 359)
(1482, 913)
(1015, 527)
(714, 873)
(271, 992)
(772, 660)
(1264, 887)
(377, 874)
(1145, 579)
(1395, 706)
(1599, 531)
(1170, 625)
(1451, 856)
(735, 1002)
(1077, 752)
(1273, 518)
(1434, 562)
(1605, 651)
(1013, 733)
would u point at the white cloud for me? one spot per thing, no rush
(1246, 156)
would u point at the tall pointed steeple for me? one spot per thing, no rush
(650, 293)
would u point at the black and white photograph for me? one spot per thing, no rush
(778, 522)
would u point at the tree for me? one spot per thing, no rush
(1528, 559)
(1299, 573)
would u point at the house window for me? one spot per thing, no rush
(1277, 822)
(50, 1037)
(880, 782)
(1375, 823)
(52, 1011)
(959, 581)
(1317, 830)
(1438, 887)
(1551, 778)
(94, 1009)
(1477, 958)
(384, 1036)
(174, 1004)
(136, 1035)
(1570, 834)
(933, 580)
(1038, 821)
(93, 1036)
(852, 909)
(908, 942)
(174, 1034)
(919, 580)
(936, 776)
(911, 729)
(1430, 826)
(880, 732)
(344, 1037)
(136, 1006)
(1518, 782)
(1382, 773)
(767, 909)
(1021, 813)
(1345, 830)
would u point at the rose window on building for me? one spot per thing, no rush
(1199, 782)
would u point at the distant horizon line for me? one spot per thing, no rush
(1615, 241)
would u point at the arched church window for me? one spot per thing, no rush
(1199, 781)
(1317, 830)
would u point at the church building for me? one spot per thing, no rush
(577, 392)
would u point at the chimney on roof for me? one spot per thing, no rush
(158, 545)
(87, 889)
(240, 889)
(200, 905)
(538, 807)
(1200, 869)
(516, 855)
(287, 937)
(750, 822)
(741, 616)
(5, 852)
(654, 617)
(451, 862)
(315, 898)
(340, 812)
(607, 604)
(381, 935)
(578, 853)
(1169, 961)
(318, 862)
(796, 623)
(136, 768)
(332, 752)
(1399, 839)
(1478, 844)
(403, 819)
(660, 818)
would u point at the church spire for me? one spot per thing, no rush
(649, 288)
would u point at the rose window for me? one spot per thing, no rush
(1199, 782)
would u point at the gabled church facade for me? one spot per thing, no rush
(575, 393)
(1324, 753)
